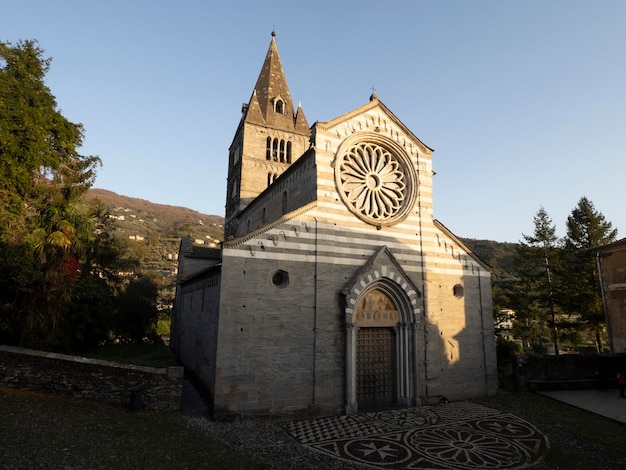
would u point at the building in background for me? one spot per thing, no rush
(612, 269)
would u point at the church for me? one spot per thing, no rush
(335, 289)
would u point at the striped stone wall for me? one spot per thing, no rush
(301, 327)
(300, 262)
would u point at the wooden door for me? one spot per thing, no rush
(375, 367)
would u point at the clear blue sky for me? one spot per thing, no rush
(524, 102)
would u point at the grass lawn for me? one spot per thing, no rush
(53, 432)
(140, 354)
(578, 439)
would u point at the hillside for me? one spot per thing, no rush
(153, 232)
(144, 218)
(499, 256)
(156, 229)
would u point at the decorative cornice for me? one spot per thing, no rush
(266, 228)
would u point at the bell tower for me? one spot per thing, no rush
(271, 136)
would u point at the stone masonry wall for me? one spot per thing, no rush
(265, 346)
(157, 388)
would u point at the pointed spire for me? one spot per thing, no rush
(272, 92)
(301, 124)
(253, 113)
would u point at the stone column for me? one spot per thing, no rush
(351, 404)
(416, 370)
(404, 374)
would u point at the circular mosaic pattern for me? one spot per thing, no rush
(467, 448)
(375, 183)
(462, 436)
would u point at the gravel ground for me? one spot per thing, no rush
(271, 440)
(46, 431)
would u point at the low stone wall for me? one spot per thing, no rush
(567, 371)
(109, 382)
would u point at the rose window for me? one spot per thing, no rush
(374, 183)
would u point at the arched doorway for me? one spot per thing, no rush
(382, 320)
(376, 319)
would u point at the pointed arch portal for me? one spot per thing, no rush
(380, 349)
(382, 318)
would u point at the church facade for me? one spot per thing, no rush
(335, 289)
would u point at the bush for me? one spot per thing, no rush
(505, 350)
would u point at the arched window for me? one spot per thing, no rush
(236, 154)
(279, 106)
(288, 152)
(271, 178)
(282, 151)
(268, 149)
(275, 149)
(284, 211)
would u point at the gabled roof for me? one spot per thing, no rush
(374, 103)
(457, 240)
(271, 90)
(616, 245)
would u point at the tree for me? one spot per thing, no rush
(40, 162)
(536, 262)
(108, 256)
(90, 317)
(44, 230)
(587, 229)
(137, 311)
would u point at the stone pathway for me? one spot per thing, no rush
(456, 435)
(607, 404)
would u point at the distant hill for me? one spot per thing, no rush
(153, 232)
(144, 218)
(159, 228)
(499, 256)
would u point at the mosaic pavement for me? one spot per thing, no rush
(451, 436)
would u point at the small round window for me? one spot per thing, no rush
(280, 279)
(458, 291)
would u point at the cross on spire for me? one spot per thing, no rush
(373, 96)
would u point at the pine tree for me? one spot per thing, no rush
(536, 261)
(587, 229)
